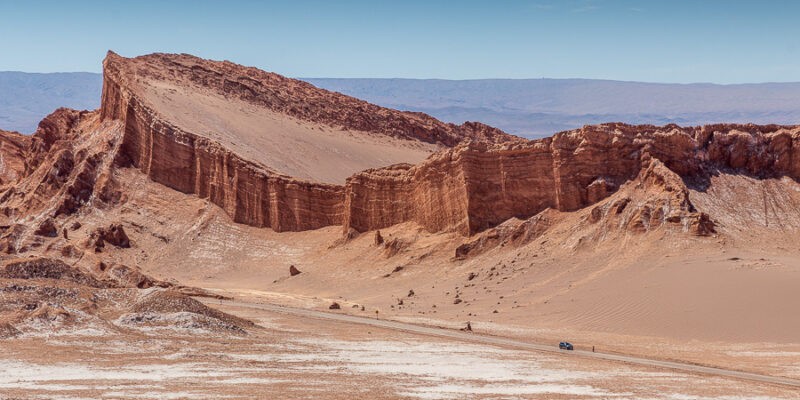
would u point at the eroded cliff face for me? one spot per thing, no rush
(251, 194)
(486, 179)
(291, 97)
(474, 186)
(12, 156)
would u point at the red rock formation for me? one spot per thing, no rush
(64, 168)
(474, 187)
(12, 156)
(287, 96)
(251, 194)
(658, 196)
(113, 234)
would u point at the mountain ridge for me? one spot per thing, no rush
(164, 186)
(735, 101)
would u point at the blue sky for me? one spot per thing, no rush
(716, 41)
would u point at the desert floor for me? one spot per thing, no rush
(299, 357)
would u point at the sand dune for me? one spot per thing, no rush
(291, 146)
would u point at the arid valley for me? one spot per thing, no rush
(218, 231)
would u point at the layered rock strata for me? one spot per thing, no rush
(474, 186)
(288, 96)
(251, 194)
(12, 156)
(487, 178)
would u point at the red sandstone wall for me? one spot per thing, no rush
(250, 194)
(301, 99)
(473, 187)
(466, 189)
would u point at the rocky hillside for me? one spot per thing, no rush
(474, 186)
(283, 95)
(185, 172)
(486, 179)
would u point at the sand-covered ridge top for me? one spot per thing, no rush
(289, 145)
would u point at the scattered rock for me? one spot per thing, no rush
(351, 234)
(70, 251)
(394, 246)
(334, 306)
(8, 331)
(130, 277)
(471, 276)
(378, 238)
(47, 228)
(46, 268)
(114, 235)
(457, 301)
(411, 293)
(595, 215)
(702, 225)
(293, 271)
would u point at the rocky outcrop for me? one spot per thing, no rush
(657, 197)
(251, 194)
(287, 96)
(47, 228)
(483, 181)
(12, 156)
(67, 165)
(114, 234)
(46, 268)
(474, 186)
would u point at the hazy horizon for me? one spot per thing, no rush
(527, 107)
(306, 78)
(622, 40)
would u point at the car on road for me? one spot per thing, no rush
(565, 346)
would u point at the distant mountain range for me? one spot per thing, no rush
(538, 107)
(26, 98)
(528, 107)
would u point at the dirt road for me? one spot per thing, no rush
(506, 342)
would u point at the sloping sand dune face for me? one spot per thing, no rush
(629, 248)
(289, 145)
(286, 125)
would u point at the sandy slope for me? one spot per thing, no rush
(613, 275)
(288, 145)
(725, 300)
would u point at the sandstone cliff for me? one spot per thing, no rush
(12, 156)
(289, 96)
(251, 194)
(486, 179)
(250, 191)
(474, 187)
